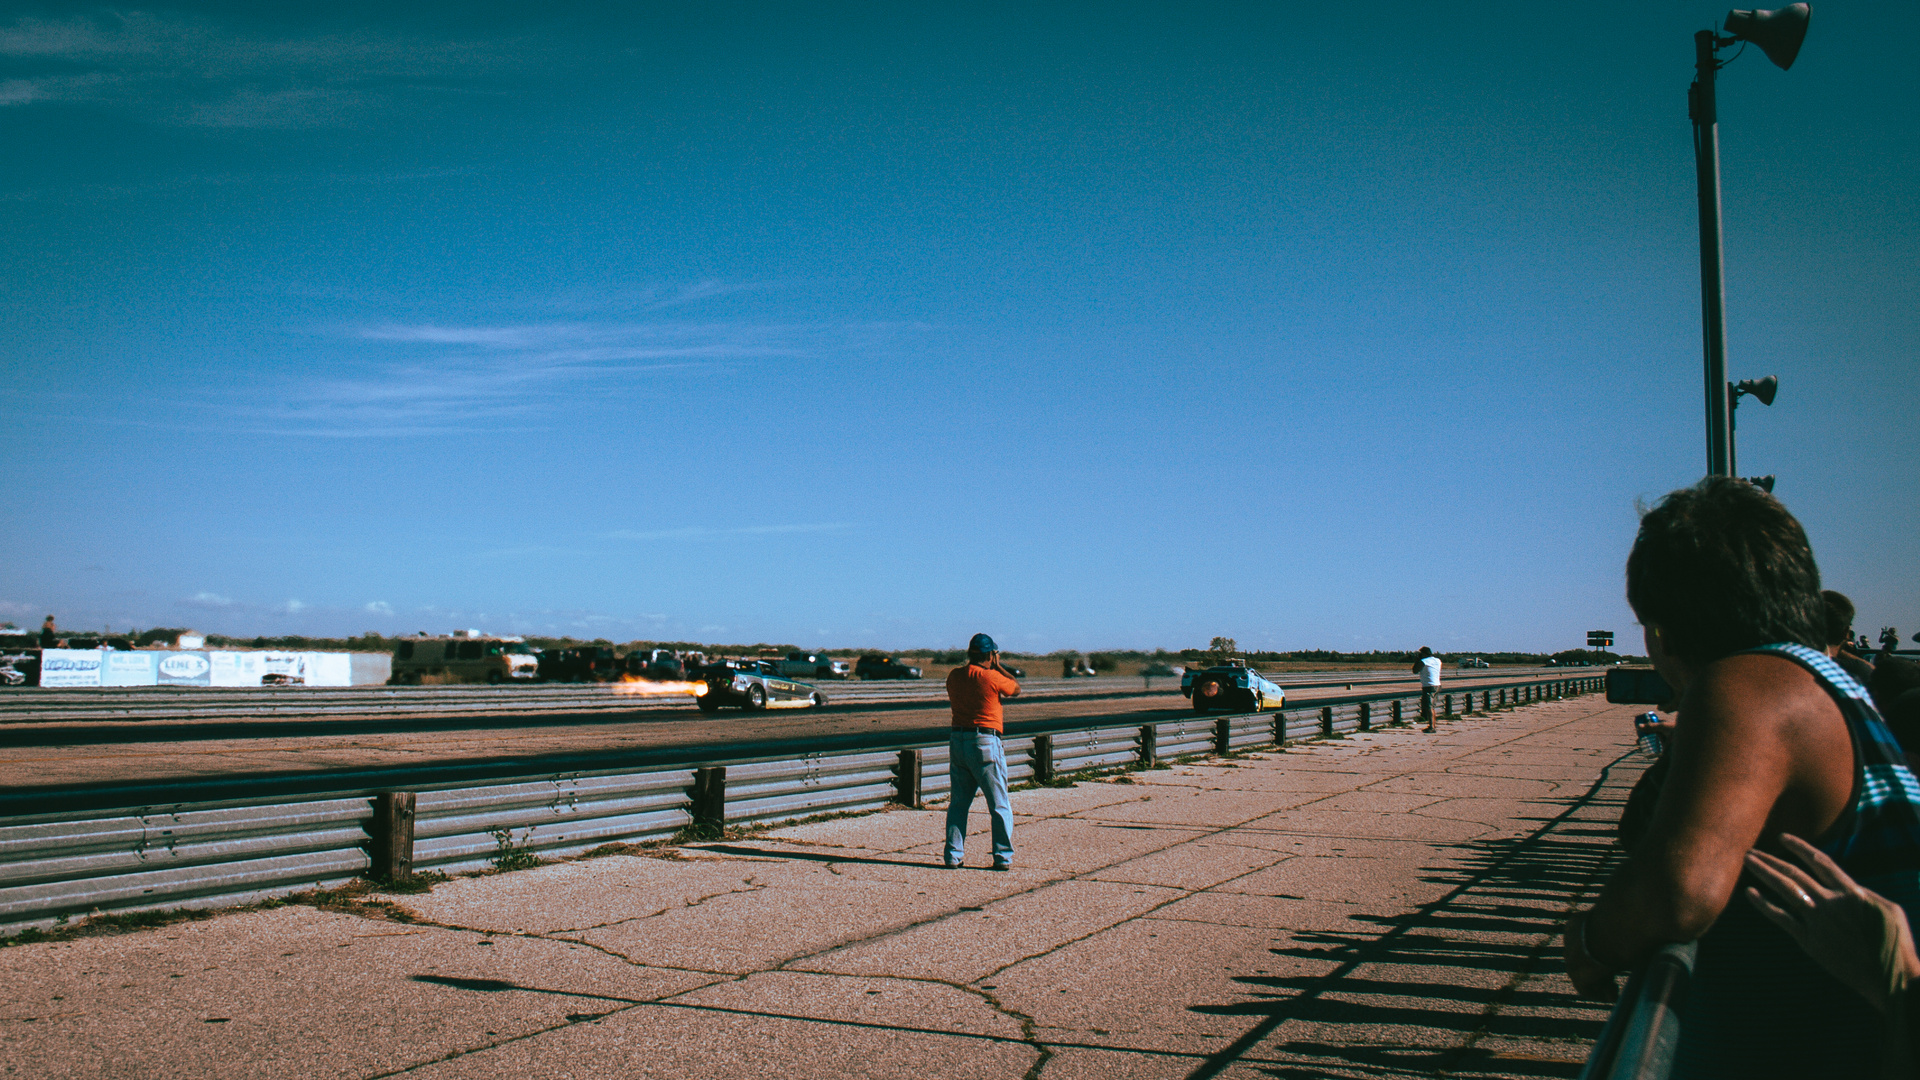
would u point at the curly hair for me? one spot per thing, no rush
(1722, 566)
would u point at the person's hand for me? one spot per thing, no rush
(1665, 727)
(1860, 937)
(1591, 979)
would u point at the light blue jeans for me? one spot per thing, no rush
(978, 762)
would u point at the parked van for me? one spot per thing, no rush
(463, 658)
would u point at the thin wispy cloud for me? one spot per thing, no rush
(452, 377)
(699, 533)
(195, 71)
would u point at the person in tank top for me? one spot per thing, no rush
(1771, 737)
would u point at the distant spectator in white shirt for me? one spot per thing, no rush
(1428, 668)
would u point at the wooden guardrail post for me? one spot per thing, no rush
(1448, 706)
(1149, 746)
(1280, 729)
(1396, 712)
(710, 796)
(392, 833)
(1326, 720)
(1223, 736)
(906, 779)
(1366, 716)
(1043, 759)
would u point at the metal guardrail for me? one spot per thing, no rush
(197, 853)
(1641, 1036)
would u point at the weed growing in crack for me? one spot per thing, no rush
(511, 856)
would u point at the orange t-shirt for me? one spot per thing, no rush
(975, 693)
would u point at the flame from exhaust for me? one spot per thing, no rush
(630, 684)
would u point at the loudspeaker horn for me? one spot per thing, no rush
(1778, 33)
(1764, 389)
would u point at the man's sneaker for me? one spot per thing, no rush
(998, 865)
(951, 866)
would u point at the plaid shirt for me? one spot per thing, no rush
(1876, 840)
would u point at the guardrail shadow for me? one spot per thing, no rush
(1453, 988)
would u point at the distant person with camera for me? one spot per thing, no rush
(978, 762)
(1428, 668)
(1772, 737)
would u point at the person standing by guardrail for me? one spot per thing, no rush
(1772, 736)
(1428, 668)
(978, 761)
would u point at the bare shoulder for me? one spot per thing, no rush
(1751, 692)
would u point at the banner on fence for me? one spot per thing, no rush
(185, 669)
(70, 667)
(120, 668)
(283, 668)
(235, 668)
(329, 669)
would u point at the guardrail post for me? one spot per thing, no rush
(1149, 746)
(1366, 716)
(1326, 720)
(1280, 729)
(1448, 706)
(710, 796)
(392, 833)
(1396, 712)
(1223, 736)
(1042, 758)
(906, 779)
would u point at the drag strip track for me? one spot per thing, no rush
(202, 705)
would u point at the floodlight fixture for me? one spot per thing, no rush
(1778, 34)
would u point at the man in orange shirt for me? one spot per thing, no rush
(977, 759)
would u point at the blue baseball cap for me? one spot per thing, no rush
(982, 644)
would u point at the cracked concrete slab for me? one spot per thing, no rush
(1195, 864)
(1380, 906)
(970, 944)
(296, 992)
(876, 1001)
(669, 1043)
(1147, 984)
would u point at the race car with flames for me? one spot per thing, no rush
(753, 685)
(1231, 687)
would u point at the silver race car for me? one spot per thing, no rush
(754, 685)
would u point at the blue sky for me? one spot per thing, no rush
(1086, 325)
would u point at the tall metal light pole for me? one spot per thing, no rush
(1778, 34)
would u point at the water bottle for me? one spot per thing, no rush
(1650, 740)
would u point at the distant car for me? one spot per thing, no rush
(587, 663)
(1231, 687)
(656, 665)
(875, 666)
(814, 666)
(1474, 662)
(753, 685)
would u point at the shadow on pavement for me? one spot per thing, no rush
(1450, 988)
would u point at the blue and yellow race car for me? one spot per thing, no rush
(1231, 687)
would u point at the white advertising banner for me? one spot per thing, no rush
(70, 667)
(235, 668)
(185, 669)
(128, 669)
(329, 669)
(283, 668)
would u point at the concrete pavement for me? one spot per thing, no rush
(1382, 905)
